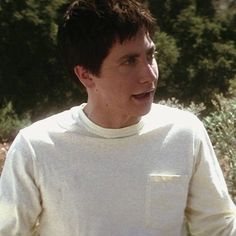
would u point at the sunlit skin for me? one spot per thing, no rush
(124, 90)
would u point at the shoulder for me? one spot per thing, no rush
(169, 115)
(53, 125)
(164, 117)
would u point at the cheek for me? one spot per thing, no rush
(122, 82)
(157, 75)
(117, 85)
(155, 69)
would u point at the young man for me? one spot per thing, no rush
(118, 165)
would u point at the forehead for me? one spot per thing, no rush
(137, 44)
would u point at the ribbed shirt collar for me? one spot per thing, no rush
(107, 132)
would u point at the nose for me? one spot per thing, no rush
(149, 73)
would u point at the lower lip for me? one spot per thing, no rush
(144, 97)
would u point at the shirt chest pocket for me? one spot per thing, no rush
(166, 197)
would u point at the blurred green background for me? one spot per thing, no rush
(195, 41)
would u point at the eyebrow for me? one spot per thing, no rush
(149, 50)
(128, 56)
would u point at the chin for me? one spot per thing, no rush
(144, 110)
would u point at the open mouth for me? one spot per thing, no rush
(143, 96)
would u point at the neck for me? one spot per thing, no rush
(106, 118)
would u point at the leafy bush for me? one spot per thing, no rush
(201, 36)
(10, 123)
(197, 109)
(3, 152)
(221, 126)
(167, 57)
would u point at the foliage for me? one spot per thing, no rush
(167, 57)
(206, 47)
(167, 11)
(221, 126)
(209, 61)
(4, 147)
(195, 42)
(10, 123)
(196, 109)
(31, 75)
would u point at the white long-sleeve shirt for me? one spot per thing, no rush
(79, 179)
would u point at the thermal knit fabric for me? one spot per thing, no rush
(78, 179)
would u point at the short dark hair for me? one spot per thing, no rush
(91, 27)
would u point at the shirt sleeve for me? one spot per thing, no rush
(210, 210)
(20, 204)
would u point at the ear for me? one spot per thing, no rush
(84, 76)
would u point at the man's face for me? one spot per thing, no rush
(127, 79)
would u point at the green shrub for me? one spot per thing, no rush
(197, 109)
(221, 126)
(10, 123)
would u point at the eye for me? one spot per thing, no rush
(130, 61)
(152, 55)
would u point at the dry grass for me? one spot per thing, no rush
(3, 151)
